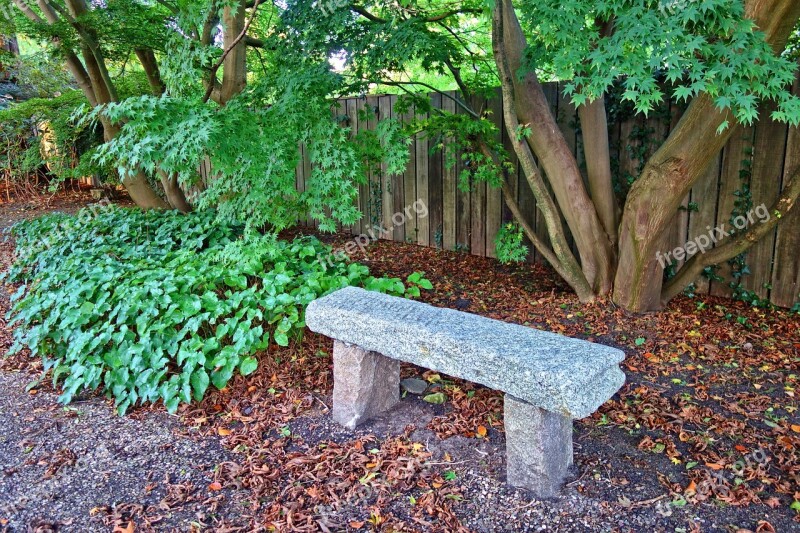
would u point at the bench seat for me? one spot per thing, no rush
(560, 374)
(548, 379)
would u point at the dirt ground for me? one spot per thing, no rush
(704, 435)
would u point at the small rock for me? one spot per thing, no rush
(747, 347)
(462, 304)
(414, 385)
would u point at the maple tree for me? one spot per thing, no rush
(723, 57)
(248, 81)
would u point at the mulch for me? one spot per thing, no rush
(704, 435)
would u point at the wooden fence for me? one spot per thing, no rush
(468, 221)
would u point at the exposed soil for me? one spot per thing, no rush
(704, 436)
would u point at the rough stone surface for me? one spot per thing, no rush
(538, 447)
(414, 385)
(559, 374)
(365, 384)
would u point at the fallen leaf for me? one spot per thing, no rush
(796, 428)
(435, 398)
(356, 525)
(130, 528)
(773, 502)
(714, 466)
(223, 432)
(764, 527)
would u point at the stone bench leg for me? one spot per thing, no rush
(538, 447)
(365, 384)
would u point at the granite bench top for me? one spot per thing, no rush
(560, 374)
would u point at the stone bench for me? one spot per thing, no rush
(548, 379)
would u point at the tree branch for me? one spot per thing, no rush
(253, 42)
(738, 243)
(433, 18)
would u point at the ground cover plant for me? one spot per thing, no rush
(157, 305)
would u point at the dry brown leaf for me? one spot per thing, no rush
(130, 528)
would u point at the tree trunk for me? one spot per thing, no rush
(234, 73)
(175, 195)
(561, 257)
(673, 170)
(138, 186)
(150, 65)
(594, 125)
(556, 159)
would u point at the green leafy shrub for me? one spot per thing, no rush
(509, 244)
(159, 305)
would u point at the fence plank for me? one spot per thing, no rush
(477, 244)
(349, 109)
(395, 200)
(786, 269)
(423, 191)
(410, 186)
(448, 182)
(494, 200)
(435, 183)
(736, 161)
(769, 152)
(374, 200)
(703, 210)
(363, 188)
(387, 191)
(463, 210)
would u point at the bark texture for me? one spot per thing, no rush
(675, 168)
(554, 155)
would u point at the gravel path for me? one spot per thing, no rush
(82, 468)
